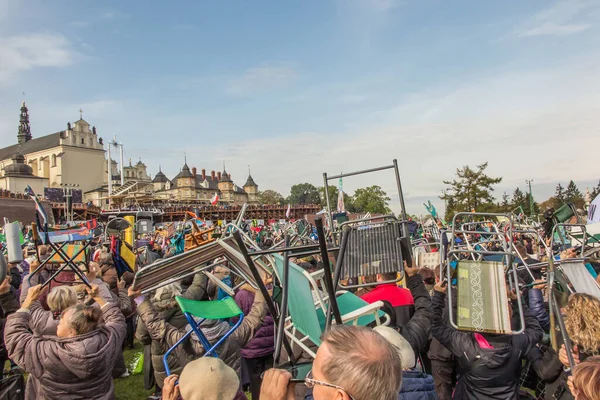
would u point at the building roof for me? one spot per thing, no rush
(212, 183)
(238, 189)
(18, 167)
(185, 173)
(225, 177)
(160, 177)
(250, 182)
(31, 146)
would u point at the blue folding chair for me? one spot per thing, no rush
(221, 309)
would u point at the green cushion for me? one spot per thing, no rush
(226, 308)
(347, 303)
(564, 213)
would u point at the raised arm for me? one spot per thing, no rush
(417, 330)
(113, 317)
(456, 342)
(40, 319)
(538, 309)
(252, 321)
(18, 339)
(197, 289)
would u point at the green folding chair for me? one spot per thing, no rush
(221, 309)
(309, 319)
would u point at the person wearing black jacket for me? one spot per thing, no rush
(489, 365)
(416, 330)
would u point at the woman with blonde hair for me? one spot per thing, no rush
(582, 323)
(585, 382)
(45, 322)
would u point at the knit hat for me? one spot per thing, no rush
(208, 378)
(404, 349)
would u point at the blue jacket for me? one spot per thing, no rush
(417, 385)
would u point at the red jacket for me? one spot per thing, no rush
(391, 293)
(400, 299)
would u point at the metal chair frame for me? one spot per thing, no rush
(454, 252)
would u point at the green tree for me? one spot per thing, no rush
(504, 205)
(371, 199)
(333, 197)
(472, 190)
(270, 197)
(304, 193)
(559, 196)
(519, 200)
(573, 195)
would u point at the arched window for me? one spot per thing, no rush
(53, 162)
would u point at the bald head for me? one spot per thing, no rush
(362, 362)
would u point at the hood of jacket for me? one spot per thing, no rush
(85, 356)
(413, 382)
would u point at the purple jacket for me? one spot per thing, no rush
(263, 342)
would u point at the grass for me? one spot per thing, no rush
(132, 387)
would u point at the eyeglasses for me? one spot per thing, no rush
(310, 383)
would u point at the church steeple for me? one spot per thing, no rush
(24, 132)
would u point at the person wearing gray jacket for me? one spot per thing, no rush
(167, 334)
(78, 361)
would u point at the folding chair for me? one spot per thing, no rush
(579, 278)
(221, 309)
(311, 321)
(372, 246)
(482, 284)
(64, 251)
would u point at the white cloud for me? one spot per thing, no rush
(260, 79)
(29, 51)
(563, 18)
(552, 29)
(109, 15)
(80, 24)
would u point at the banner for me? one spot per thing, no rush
(594, 211)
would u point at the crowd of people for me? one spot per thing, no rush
(69, 338)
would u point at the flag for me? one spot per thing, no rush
(289, 211)
(38, 205)
(215, 199)
(340, 200)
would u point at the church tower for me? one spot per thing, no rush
(24, 132)
(251, 188)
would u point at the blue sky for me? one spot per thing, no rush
(296, 88)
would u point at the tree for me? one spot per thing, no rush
(559, 196)
(504, 205)
(471, 191)
(304, 193)
(371, 199)
(270, 197)
(573, 195)
(333, 197)
(519, 200)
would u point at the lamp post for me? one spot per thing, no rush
(120, 146)
(68, 195)
(530, 198)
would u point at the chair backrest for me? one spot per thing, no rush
(300, 301)
(373, 249)
(482, 299)
(216, 309)
(564, 213)
(580, 278)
